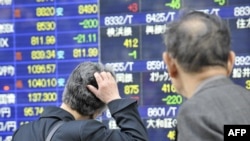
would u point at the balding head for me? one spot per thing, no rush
(198, 40)
(194, 27)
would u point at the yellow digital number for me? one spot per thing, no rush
(91, 52)
(42, 40)
(32, 111)
(41, 68)
(46, 26)
(34, 97)
(43, 54)
(248, 84)
(45, 11)
(50, 40)
(168, 88)
(51, 96)
(35, 40)
(50, 54)
(28, 111)
(131, 89)
(77, 53)
(87, 9)
(42, 82)
(42, 97)
(131, 43)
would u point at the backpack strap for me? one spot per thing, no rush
(53, 130)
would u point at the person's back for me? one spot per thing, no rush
(90, 89)
(199, 61)
(74, 130)
(219, 102)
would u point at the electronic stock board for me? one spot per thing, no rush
(41, 41)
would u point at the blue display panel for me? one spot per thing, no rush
(131, 42)
(41, 41)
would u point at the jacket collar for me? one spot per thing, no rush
(56, 112)
(212, 82)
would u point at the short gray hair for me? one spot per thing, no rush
(77, 95)
(198, 40)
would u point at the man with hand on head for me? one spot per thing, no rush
(199, 61)
(91, 87)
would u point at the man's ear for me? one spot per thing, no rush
(230, 62)
(171, 64)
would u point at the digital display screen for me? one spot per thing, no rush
(42, 41)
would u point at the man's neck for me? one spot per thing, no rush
(75, 114)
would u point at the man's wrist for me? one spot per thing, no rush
(108, 101)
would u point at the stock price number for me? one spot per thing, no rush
(46, 26)
(43, 40)
(173, 99)
(168, 88)
(42, 97)
(41, 68)
(42, 83)
(85, 52)
(43, 54)
(86, 38)
(131, 43)
(248, 84)
(131, 89)
(45, 11)
(32, 111)
(88, 9)
(89, 23)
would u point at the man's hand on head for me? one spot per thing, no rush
(107, 87)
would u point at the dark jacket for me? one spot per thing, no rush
(124, 111)
(217, 102)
